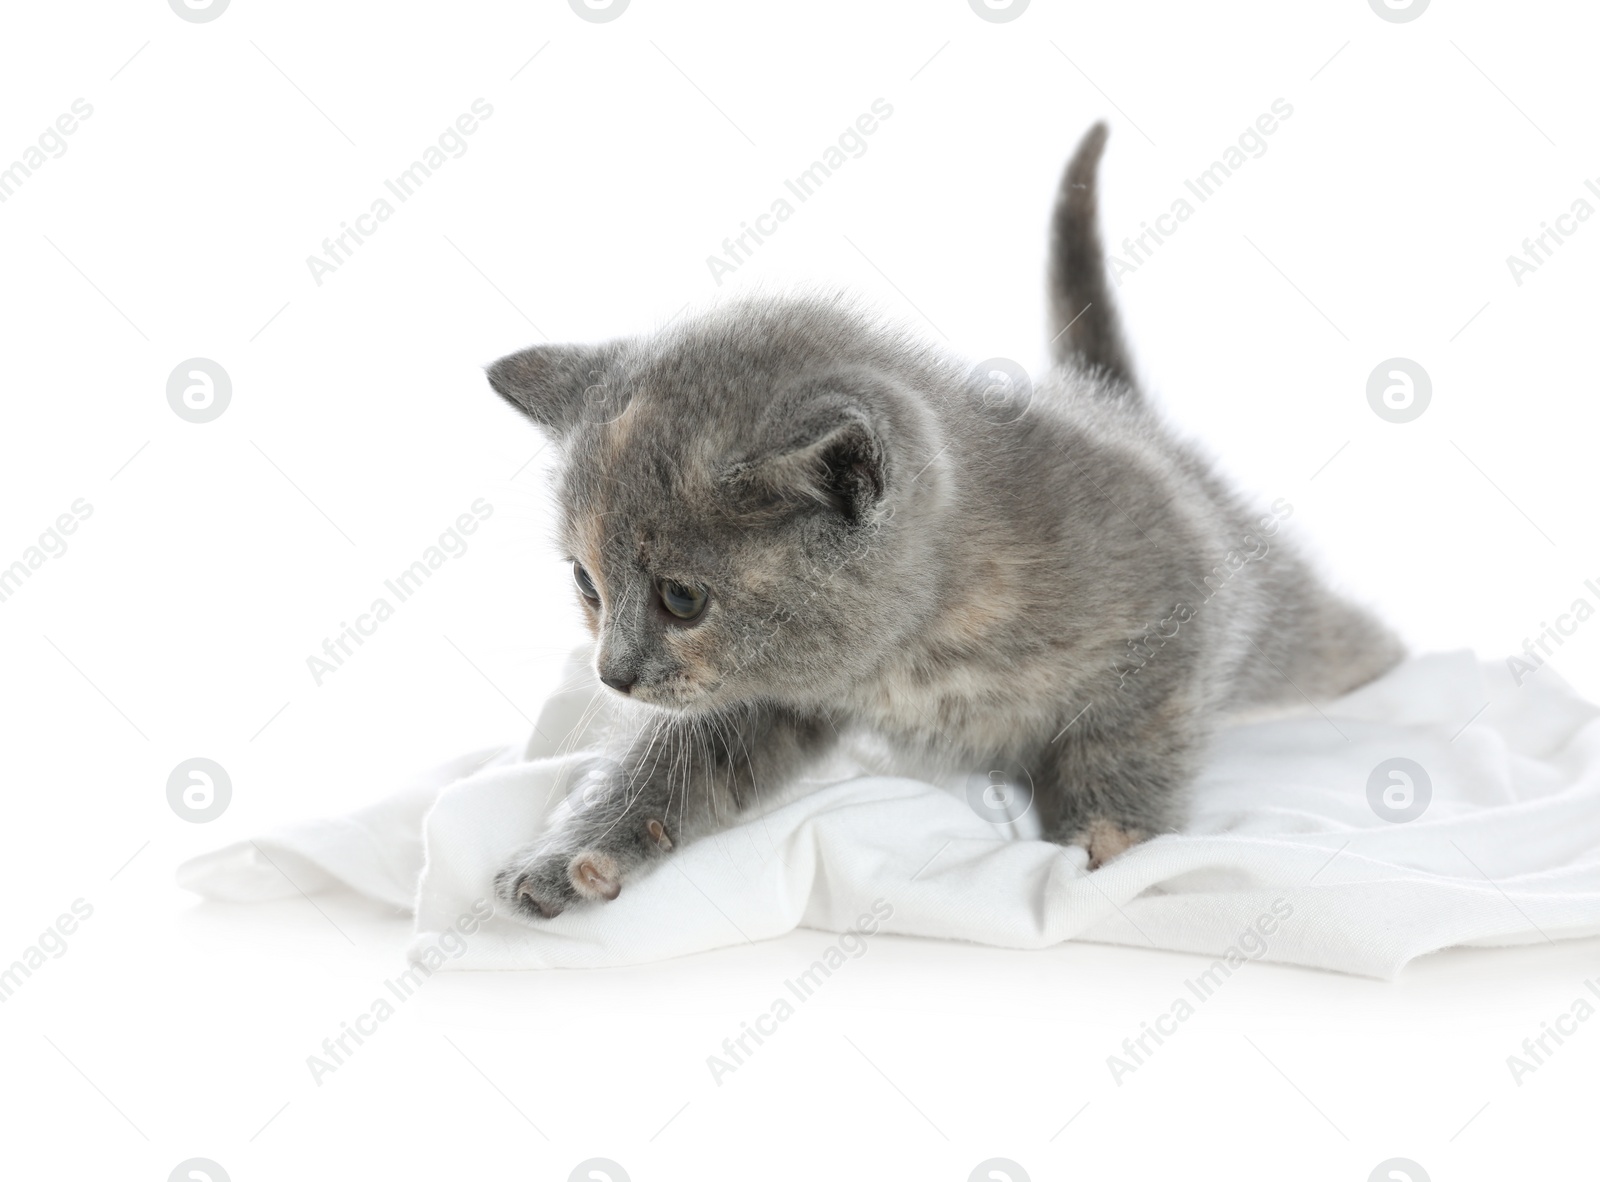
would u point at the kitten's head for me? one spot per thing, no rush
(739, 497)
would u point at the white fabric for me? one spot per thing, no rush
(1507, 852)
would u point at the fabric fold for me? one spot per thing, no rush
(1306, 843)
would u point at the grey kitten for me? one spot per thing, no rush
(787, 521)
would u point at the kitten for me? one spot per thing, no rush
(786, 520)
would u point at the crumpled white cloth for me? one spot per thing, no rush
(1286, 857)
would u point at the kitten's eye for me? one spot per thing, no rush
(586, 586)
(684, 602)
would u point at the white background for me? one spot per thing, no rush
(218, 556)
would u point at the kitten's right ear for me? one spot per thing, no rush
(554, 385)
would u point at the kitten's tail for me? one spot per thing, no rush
(1083, 320)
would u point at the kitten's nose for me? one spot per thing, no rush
(621, 682)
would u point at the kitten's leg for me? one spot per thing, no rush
(1108, 786)
(684, 777)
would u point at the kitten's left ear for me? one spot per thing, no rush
(556, 385)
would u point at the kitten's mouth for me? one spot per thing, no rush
(680, 697)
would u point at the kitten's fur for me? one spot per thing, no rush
(881, 550)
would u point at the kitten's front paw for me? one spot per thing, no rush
(542, 884)
(544, 887)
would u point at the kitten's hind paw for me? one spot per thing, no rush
(1105, 840)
